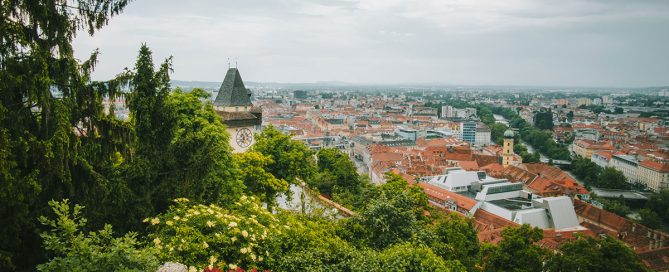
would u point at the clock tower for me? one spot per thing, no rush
(507, 149)
(233, 104)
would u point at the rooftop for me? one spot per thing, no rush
(233, 93)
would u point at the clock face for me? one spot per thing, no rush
(244, 137)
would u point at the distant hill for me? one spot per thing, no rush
(339, 85)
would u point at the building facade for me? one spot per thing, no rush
(468, 131)
(627, 164)
(653, 174)
(482, 136)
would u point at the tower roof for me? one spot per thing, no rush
(508, 133)
(233, 92)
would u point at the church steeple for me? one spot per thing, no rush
(233, 93)
(241, 118)
(507, 149)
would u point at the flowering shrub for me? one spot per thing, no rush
(210, 236)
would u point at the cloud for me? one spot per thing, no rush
(568, 42)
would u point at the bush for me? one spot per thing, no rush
(201, 235)
(74, 250)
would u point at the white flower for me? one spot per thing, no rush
(243, 250)
(260, 259)
(169, 222)
(156, 241)
(192, 269)
(253, 257)
(205, 245)
(232, 266)
(245, 234)
(176, 217)
(155, 221)
(212, 260)
(232, 224)
(210, 224)
(233, 239)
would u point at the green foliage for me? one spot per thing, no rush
(616, 206)
(455, 239)
(595, 176)
(650, 218)
(45, 96)
(544, 120)
(613, 179)
(517, 251)
(394, 216)
(497, 132)
(659, 203)
(257, 180)
(151, 119)
(590, 254)
(415, 257)
(311, 244)
(542, 141)
(292, 160)
(182, 149)
(342, 168)
(197, 234)
(338, 178)
(74, 250)
(586, 170)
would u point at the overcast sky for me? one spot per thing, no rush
(617, 43)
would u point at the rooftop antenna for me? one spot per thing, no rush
(228, 63)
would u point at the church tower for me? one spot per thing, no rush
(507, 149)
(233, 104)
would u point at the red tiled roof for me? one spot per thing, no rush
(656, 260)
(434, 191)
(469, 165)
(493, 169)
(484, 160)
(639, 237)
(656, 166)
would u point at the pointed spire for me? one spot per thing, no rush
(233, 92)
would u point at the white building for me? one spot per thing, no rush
(606, 100)
(654, 174)
(627, 164)
(482, 137)
(601, 159)
(508, 200)
(446, 111)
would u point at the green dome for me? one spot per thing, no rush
(508, 133)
